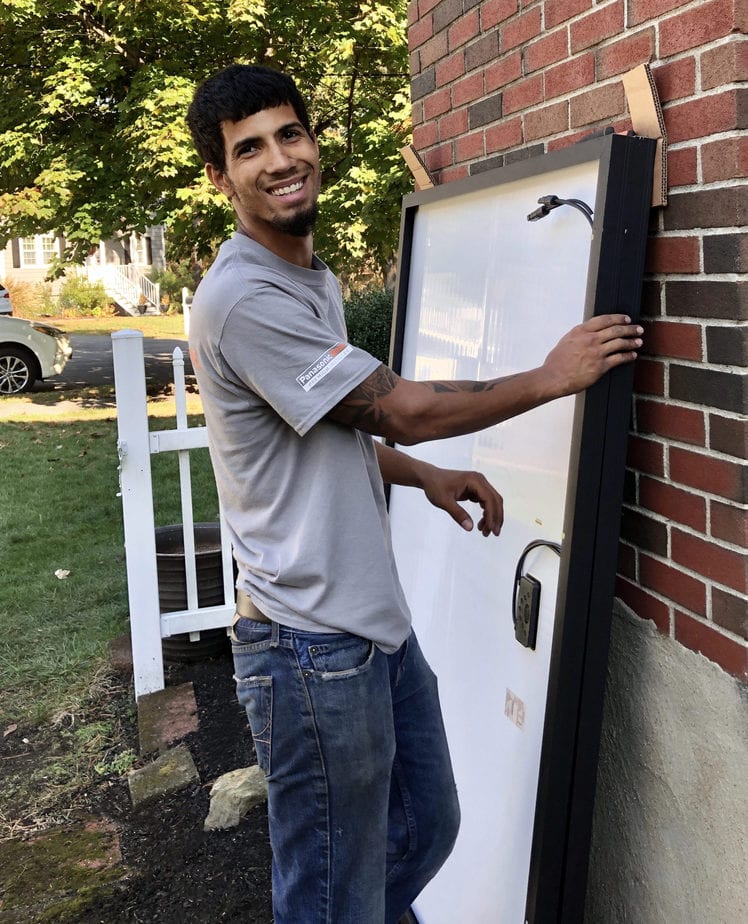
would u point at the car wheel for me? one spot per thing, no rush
(18, 370)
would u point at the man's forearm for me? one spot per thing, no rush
(398, 467)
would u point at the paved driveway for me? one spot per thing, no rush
(92, 363)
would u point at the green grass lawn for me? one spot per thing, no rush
(59, 511)
(165, 325)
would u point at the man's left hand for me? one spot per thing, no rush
(445, 488)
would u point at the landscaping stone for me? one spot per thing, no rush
(171, 771)
(120, 653)
(165, 717)
(233, 795)
(57, 875)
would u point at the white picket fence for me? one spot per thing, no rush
(135, 446)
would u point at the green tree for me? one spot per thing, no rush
(93, 140)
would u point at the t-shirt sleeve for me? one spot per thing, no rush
(289, 356)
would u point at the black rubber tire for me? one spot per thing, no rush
(19, 370)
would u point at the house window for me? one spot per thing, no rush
(39, 250)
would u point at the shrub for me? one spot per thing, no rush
(81, 298)
(368, 317)
(171, 281)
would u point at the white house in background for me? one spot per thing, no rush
(121, 264)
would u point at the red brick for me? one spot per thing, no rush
(493, 12)
(571, 75)
(524, 94)
(673, 338)
(673, 503)
(729, 524)
(468, 89)
(641, 10)
(520, 30)
(673, 255)
(415, 63)
(425, 135)
(626, 564)
(550, 120)
(453, 124)
(547, 50)
(506, 134)
(557, 11)
(463, 30)
(626, 54)
(730, 612)
(453, 173)
(731, 655)
(674, 584)
(439, 158)
(646, 456)
(595, 105)
(682, 167)
(433, 50)
(729, 435)
(420, 32)
(595, 27)
(507, 69)
(726, 159)
(450, 69)
(725, 64)
(567, 141)
(675, 79)
(412, 12)
(702, 117)
(713, 561)
(684, 424)
(719, 477)
(705, 23)
(644, 604)
(426, 6)
(470, 147)
(436, 104)
(649, 377)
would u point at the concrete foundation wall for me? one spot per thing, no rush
(669, 842)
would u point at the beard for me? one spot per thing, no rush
(298, 225)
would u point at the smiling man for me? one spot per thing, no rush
(342, 705)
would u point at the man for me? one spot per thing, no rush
(342, 705)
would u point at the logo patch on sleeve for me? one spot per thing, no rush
(314, 374)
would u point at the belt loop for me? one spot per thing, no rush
(274, 634)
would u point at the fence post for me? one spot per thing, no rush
(133, 448)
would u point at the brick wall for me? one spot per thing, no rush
(498, 81)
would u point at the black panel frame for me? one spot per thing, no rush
(571, 736)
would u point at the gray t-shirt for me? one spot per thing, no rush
(302, 496)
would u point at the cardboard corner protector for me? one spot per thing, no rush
(417, 167)
(647, 120)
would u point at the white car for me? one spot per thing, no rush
(30, 350)
(5, 305)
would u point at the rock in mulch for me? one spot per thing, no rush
(166, 716)
(171, 771)
(233, 795)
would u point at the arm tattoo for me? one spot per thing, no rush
(360, 408)
(441, 387)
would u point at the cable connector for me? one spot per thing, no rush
(548, 203)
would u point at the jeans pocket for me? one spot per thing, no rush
(346, 656)
(256, 695)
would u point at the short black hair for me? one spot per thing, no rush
(231, 95)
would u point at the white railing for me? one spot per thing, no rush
(135, 445)
(128, 281)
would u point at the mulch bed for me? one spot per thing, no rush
(179, 873)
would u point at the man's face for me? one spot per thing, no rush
(271, 176)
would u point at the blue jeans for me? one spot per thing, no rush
(362, 804)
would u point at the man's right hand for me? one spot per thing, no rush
(590, 350)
